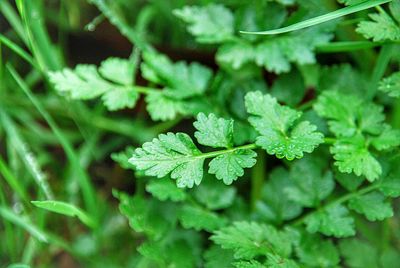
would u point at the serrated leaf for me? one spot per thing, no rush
(391, 85)
(332, 221)
(250, 239)
(388, 139)
(269, 55)
(180, 80)
(372, 205)
(200, 219)
(341, 109)
(120, 98)
(161, 107)
(310, 184)
(117, 70)
(215, 195)
(276, 261)
(86, 82)
(213, 23)
(315, 252)
(235, 54)
(277, 54)
(147, 216)
(216, 257)
(228, 167)
(381, 28)
(213, 131)
(352, 155)
(249, 264)
(390, 185)
(275, 205)
(358, 254)
(170, 153)
(281, 132)
(165, 190)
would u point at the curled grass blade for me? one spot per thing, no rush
(65, 209)
(323, 18)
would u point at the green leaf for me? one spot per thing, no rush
(161, 107)
(84, 82)
(276, 261)
(341, 109)
(289, 88)
(200, 219)
(171, 153)
(65, 209)
(147, 216)
(372, 205)
(235, 54)
(215, 195)
(270, 55)
(250, 239)
(281, 132)
(165, 190)
(390, 185)
(228, 167)
(332, 221)
(381, 28)
(117, 70)
(249, 264)
(120, 98)
(216, 257)
(358, 254)
(213, 23)
(315, 252)
(87, 82)
(276, 54)
(181, 80)
(388, 139)
(275, 205)
(311, 184)
(323, 18)
(352, 155)
(213, 131)
(391, 85)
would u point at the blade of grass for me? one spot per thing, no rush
(12, 17)
(323, 18)
(346, 46)
(65, 209)
(18, 50)
(88, 192)
(24, 223)
(39, 40)
(25, 154)
(13, 181)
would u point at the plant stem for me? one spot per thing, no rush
(258, 176)
(226, 151)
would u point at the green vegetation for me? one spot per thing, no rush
(200, 133)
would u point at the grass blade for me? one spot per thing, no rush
(65, 209)
(88, 191)
(12, 181)
(323, 18)
(24, 223)
(18, 50)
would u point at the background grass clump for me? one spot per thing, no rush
(201, 133)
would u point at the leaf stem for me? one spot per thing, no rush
(226, 151)
(258, 176)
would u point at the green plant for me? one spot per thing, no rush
(285, 153)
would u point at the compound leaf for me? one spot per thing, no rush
(281, 132)
(170, 153)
